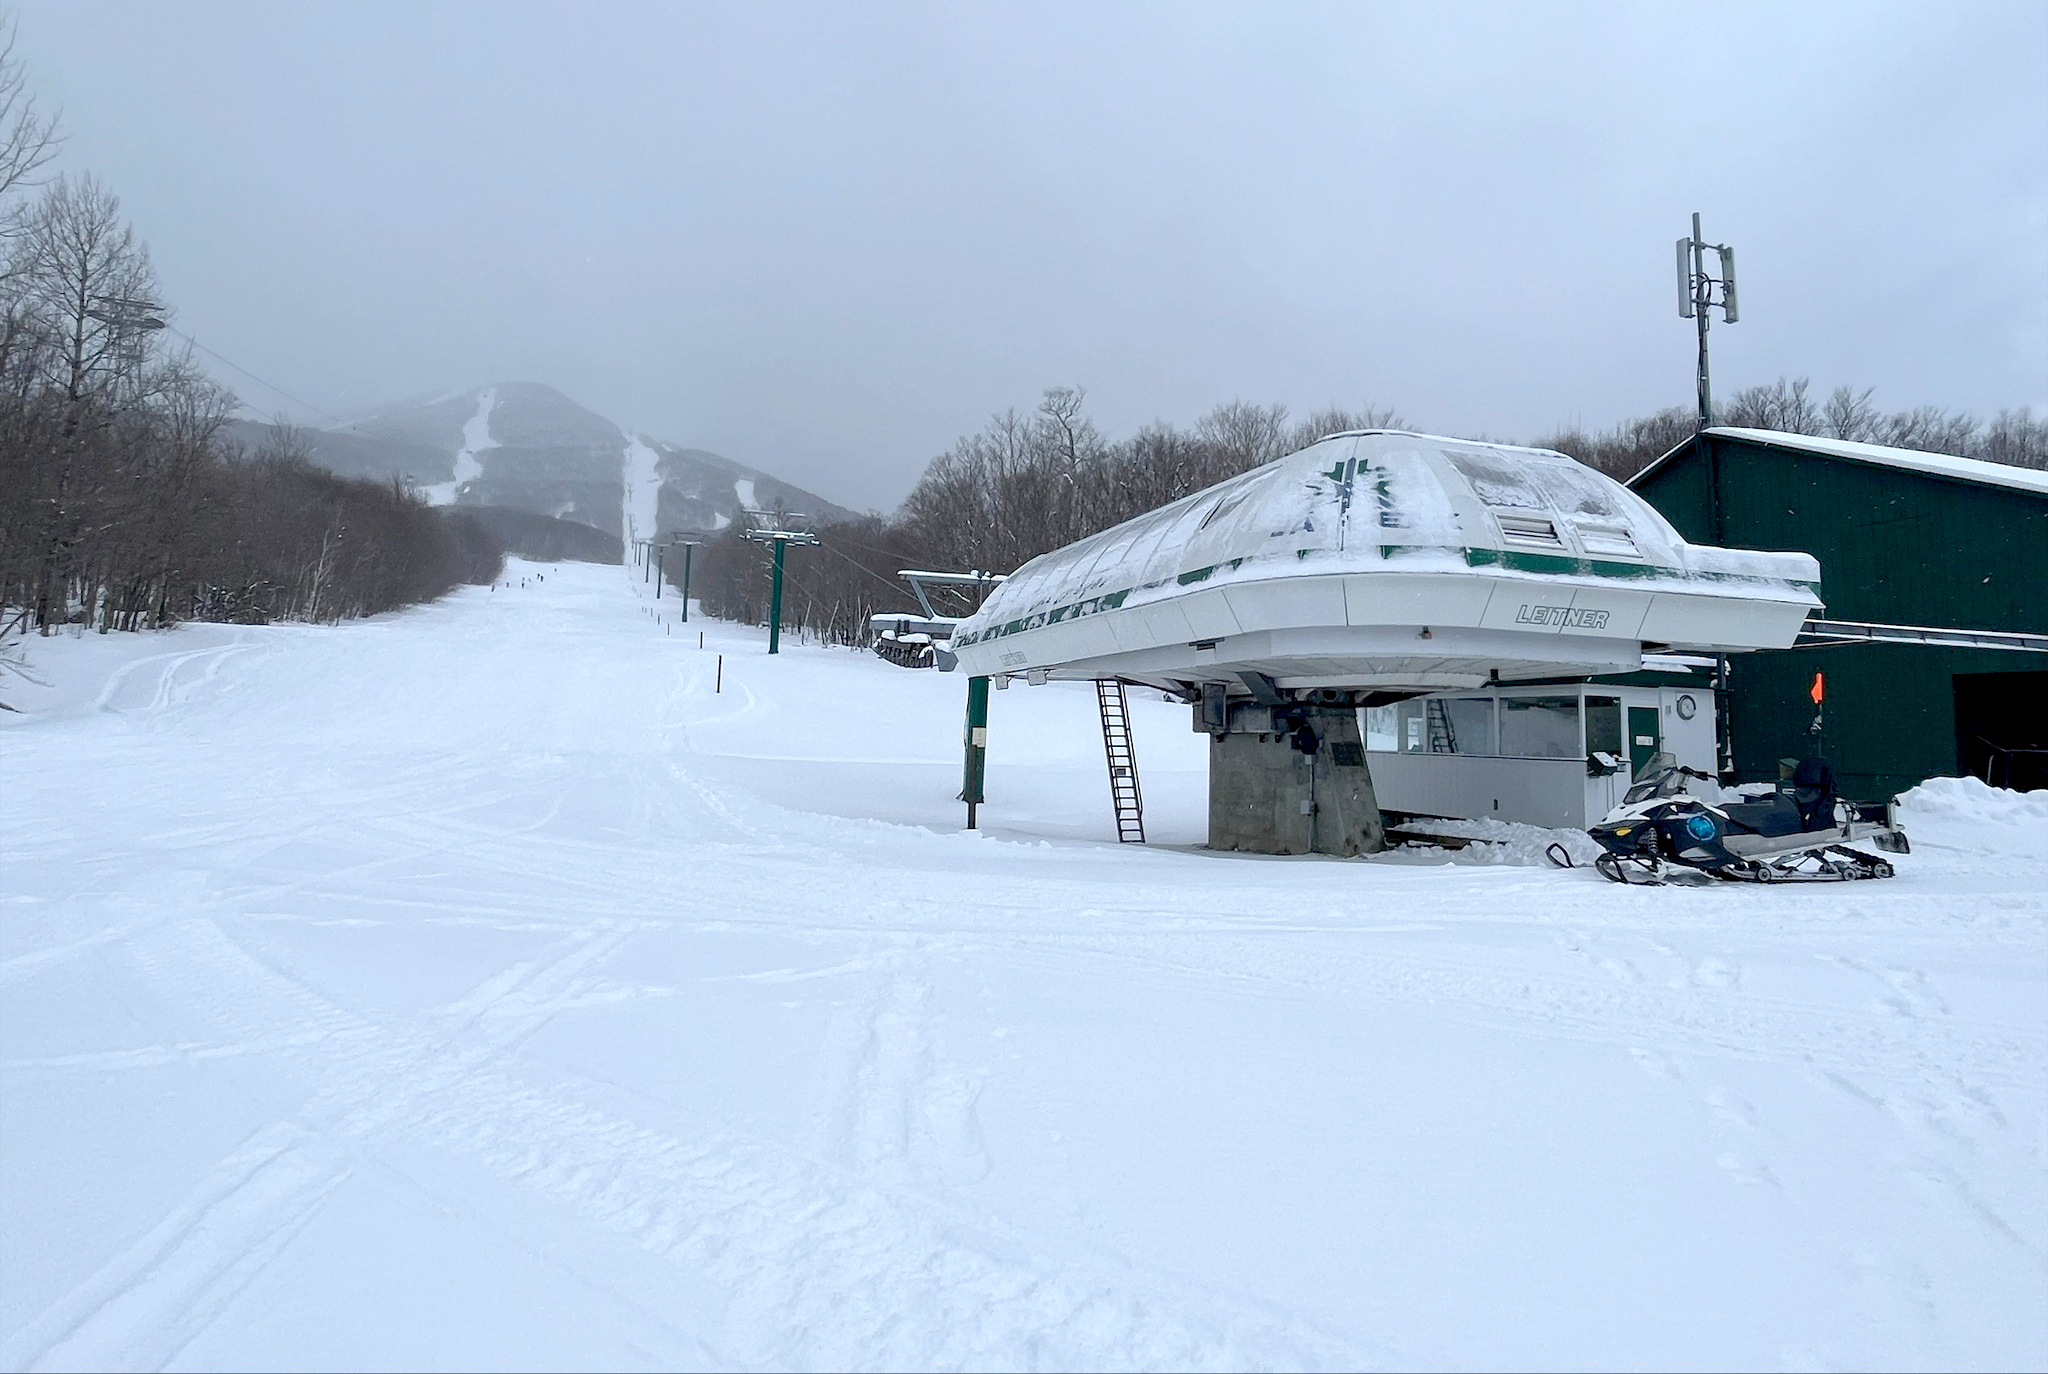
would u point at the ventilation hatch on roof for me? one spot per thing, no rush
(1530, 530)
(1602, 538)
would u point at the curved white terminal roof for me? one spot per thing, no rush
(1392, 562)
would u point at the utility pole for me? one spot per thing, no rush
(1696, 298)
(781, 539)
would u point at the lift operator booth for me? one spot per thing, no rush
(1551, 756)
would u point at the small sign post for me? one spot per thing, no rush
(975, 742)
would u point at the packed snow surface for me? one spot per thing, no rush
(478, 987)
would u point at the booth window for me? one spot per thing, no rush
(1411, 727)
(1603, 727)
(1458, 725)
(1540, 727)
(1383, 729)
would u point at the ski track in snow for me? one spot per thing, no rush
(937, 1205)
(147, 1303)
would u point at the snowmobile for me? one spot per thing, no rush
(1799, 833)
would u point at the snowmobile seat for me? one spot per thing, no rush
(1777, 814)
(1813, 790)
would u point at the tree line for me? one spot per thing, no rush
(122, 504)
(1788, 405)
(1029, 482)
(1032, 481)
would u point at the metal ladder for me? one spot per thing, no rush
(1123, 762)
(1438, 714)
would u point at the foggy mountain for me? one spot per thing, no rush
(526, 447)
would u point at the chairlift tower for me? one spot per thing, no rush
(781, 539)
(1696, 297)
(688, 546)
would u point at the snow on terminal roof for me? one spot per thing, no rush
(1935, 464)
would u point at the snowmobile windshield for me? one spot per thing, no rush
(1654, 781)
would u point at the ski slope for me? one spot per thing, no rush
(476, 440)
(477, 987)
(641, 472)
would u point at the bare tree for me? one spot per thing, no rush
(1630, 446)
(2016, 437)
(1336, 419)
(1245, 435)
(1850, 415)
(88, 281)
(28, 135)
(1781, 405)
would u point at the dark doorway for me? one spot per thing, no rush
(2002, 728)
(1645, 738)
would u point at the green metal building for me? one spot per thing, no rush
(1903, 539)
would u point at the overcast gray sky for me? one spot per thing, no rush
(826, 239)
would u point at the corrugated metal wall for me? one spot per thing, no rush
(1896, 547)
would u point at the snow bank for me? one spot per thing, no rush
(1499, 842)
(1966, 813)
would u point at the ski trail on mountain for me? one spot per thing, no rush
(643, 490)
(476, 438)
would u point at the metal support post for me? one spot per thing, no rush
(1701, 287)
(1724, 715)
(975, 766)
(1696, 297)
(687, 548)
(775, 602)
(780, 539)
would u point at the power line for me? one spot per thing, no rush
(856, 563)
(268, 386)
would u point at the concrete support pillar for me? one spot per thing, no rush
(1266, 796)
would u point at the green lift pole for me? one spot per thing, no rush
(780, 539)
(686, 582)
(775, 602)
(975, 769)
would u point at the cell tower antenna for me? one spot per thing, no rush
(1696, 287)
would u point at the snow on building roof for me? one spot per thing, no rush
(1934, 464)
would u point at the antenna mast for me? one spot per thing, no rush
(1696, 298)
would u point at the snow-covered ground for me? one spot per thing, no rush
(477, 987)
